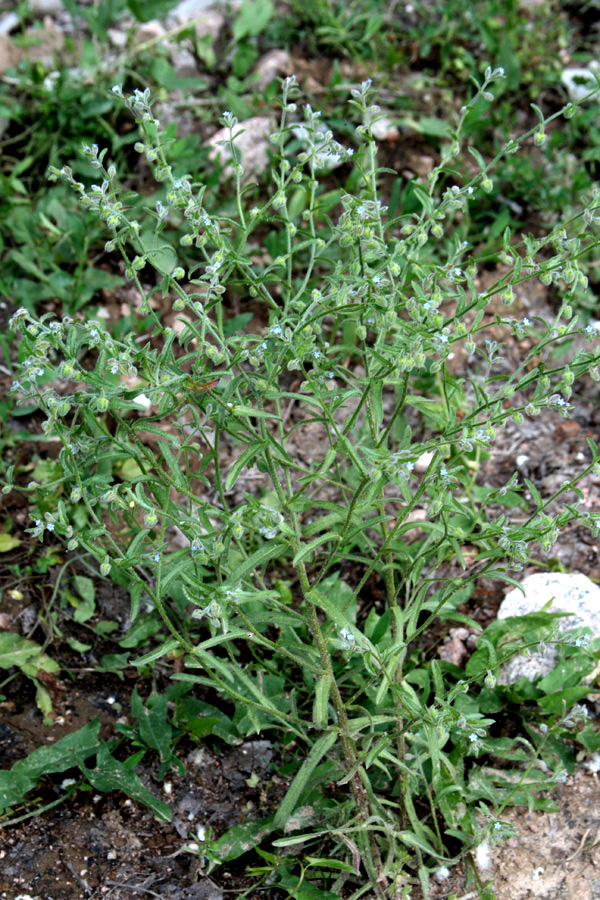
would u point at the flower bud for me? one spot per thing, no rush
(490, 681)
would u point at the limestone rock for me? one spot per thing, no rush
(270, 66)
(579, 82)
(252, 144)
(571, 593)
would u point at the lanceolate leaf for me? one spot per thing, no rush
(155, 729)
(263, 555)
(241, 462)
(241, 838)
(291, 799)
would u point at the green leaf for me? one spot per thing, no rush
(306, 890)
(241, 838)
(252, 18)
(377, 402)
(8, 542)
(237, 323)
(159, 652)
(155, 730)
(240, 410)
(415, 841)
(555, 703)
(337, 616)
(27, 265)
(113, 662)
(429, 125)
(326, 863)
(85, 588)
(202, 719)
(135, 592)
(590, 738)
(245, 459)
(477, 155)
(66, 753)
(16, 650)
(130, 470)
(173, 465)
(307, 549)
(30, 658)
(432, 410)
(291, 799)
(530, 628)
(261, 556)
(84, 610)
(568, 673)
(438, 681)
(146, 625)
(534, 493)
(105, 627)
(112, 775)
(340, 594)
(13, 788)
(77, 646)
(161, 256)
(593, 449)
(321, 703)
(299, 838)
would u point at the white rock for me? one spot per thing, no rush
(272, 64)
(252, 142)
(579, 82)
(46, 7)
(211, 23)
(117, 38)
(206, 22)
(9, 22)
(593, 763)
(143, 402)
(149, 31)
(384, 130)
(189, 9)
(184, 63)
(571, 593)
(422, 464)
